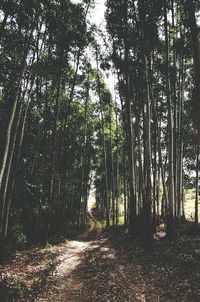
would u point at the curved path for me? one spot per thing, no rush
(64, 286)
(105, 266)
(91, 271)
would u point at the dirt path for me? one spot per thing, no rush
(107, 266)
(65, 285)
(92, 269)
(104, 266)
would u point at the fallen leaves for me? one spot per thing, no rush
(108, 267)
(26, 273)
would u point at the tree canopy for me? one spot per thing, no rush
(64, 131)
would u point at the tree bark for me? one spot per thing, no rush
(170, 214)
(197, 182)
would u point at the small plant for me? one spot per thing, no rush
(18, 237)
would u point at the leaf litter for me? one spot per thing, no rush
(108, 266)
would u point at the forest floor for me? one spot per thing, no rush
(106, 266)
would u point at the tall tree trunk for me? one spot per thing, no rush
(14, 103)
(83, 194)
(190, 6)
(148, 191)
(125, 186)
(170, 215)
(117, 165)
(175, 104)
(180, 142)
(197, 181)
(104, 147)
(129, 136)
(54, 149)
(129, 100)
(4, 216)
(155, 180)
(11, 121)
(161, 165)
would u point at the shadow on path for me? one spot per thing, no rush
(105, 266)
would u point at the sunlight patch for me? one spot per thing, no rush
(109, 256)
(104, 249)
(70, 259)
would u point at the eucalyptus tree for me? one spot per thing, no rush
(149, 52)
(20, 35)
(192, 22)
(38, 43)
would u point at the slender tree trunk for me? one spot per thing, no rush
(124, 184)
(180, 141)
(112, 170)
(165, 195)
(83, 198)
(175, 104)
(170, 215)
(197, 181)
(190, 6)
(155, 180)
(54, 147)
(10, 123)
(104, 148)
(129, 100)
(4, 215)
(117, 166)
(148, 201)
(132, 213)
(14, 103)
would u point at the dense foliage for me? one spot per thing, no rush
(63, 131)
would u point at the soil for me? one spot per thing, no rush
(107, 265)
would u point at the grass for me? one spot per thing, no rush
(102, 223)
(190, 204)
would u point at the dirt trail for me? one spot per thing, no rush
(105, 266)
(91, 270)
(64, 285)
